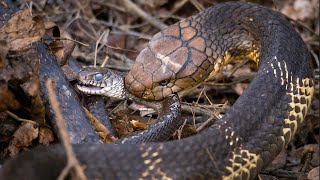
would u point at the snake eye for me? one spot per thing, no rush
(164, 82)
(98, 77)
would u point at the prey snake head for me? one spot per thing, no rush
(101, 81)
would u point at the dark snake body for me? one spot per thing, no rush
(251, 133)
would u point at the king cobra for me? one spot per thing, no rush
(240, 144)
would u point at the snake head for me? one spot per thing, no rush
(173, 61)
(101, 81)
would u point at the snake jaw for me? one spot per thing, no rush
(89, 88)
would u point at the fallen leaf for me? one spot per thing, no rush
(22, 30)
(300, 10)
(314, 174)
(45, 135)
(3, 53)
(49, 24)
(102, 131)
(279, 161)
(22, 138)
(37, 109)
(315, 150)
(240, 87)
(7, 98)
(123, 125)
(139, 125)
(56, 48)
(62, 51)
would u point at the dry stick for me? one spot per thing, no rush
(214, 116)
(72, 40)
(197, 5)
(181, 128)
(199, 96)
(17, 118)
(101, 129)
(208, 99)
(195, 109)
(237, 67)
(70, 21)
(206, 106)
(177, 7)
(72, 161)
(106, 32)
(110, 5)
(125, 31)
(305, 166)
(304, 26)
(131, 7)
(105, 61)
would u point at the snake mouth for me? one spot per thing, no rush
(90, 88)
(93, 88)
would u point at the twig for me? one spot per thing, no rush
(214, 116)
(203, 125)
(131, 7)
(199, 96)
(197, 5)
(181, 128)
(212, 158)
(208, 99)
(103, 132)
(110, 5)
(210, 106)
(177, 7)
(299, 23)
(237, 67)
(125, 31)
(72, 162)
(67, 39)
(196, 110)
(105, 61)
(73, 19)
(104, 34)
(236, 80)
(117, 48)
(305, 166)
(20, 119)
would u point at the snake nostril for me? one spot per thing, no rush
(164, 82)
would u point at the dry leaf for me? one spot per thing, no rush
(7, 98)
(240, 87)
(138, 125)
(38, 112)
(45, 135)
(23, 137)
(22, 30)
(123, 125)
(4, 49)
(62, 51)
(69, 72)
(49, 24)
(32, 86)
(102, 131)
(56, 48)
(279, 161)
(314, 174)
(301, 10)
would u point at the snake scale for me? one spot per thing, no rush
(238, 146)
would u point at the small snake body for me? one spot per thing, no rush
(251, 133)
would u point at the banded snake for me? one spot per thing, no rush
(238, 146)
